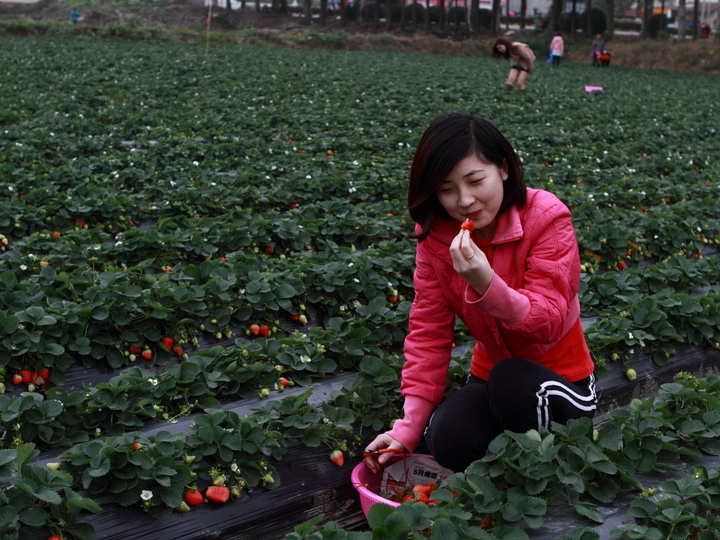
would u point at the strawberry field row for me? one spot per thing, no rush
(161, 208)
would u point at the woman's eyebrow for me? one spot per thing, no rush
(475, 171)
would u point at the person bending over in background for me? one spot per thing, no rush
(521, 58)
(511, 274)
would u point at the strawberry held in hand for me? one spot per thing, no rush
(467, 225)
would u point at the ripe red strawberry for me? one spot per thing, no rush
(56, 537)
(392, 298)
(622, 265)
(293, 317)
(17, 379)
(217, 494)
(284, 381)
(80, 223)
(423, 498)
(337, 457)
(177, 349)
(44, 373)
(467, 225)
(168, 342)
(427, 489)
(57, 234)
(265, 330)
(254, 329)
(270, 249)
(193, 497)
(27, 376)
(134, 349)
(147, 354)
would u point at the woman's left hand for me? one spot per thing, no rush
(470, 262)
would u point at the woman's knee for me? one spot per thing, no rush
(461, 428)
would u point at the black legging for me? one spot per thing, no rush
(519, 395)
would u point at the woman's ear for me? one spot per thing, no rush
(504, 170)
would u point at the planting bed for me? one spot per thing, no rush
(247, 206)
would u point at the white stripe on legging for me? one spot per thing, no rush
(554, 388)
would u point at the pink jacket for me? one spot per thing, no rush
(532, 302)
(557, 46)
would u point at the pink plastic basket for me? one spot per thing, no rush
(368, 483)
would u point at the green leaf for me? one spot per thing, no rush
(443, 529)
(48, 495)
(588, 511)
(33, 516)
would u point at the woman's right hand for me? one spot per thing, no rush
(381, 442)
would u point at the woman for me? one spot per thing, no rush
(521, 58)
(513, 281)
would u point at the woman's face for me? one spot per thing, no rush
(500, 47)
(474, 190)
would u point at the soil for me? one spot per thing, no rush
(280, 30)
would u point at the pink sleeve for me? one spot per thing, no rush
(539, 310)
(409, 429)
(431, 332)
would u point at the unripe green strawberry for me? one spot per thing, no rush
(219, 480)
(631, 374)
(183, 507)
(53, 466)
(268, 479)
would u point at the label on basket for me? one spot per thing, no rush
(410, 471)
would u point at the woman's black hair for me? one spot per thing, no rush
(450, 139)
(496, 54)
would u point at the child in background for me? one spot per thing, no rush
(557, 49)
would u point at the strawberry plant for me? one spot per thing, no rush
(261, 226)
